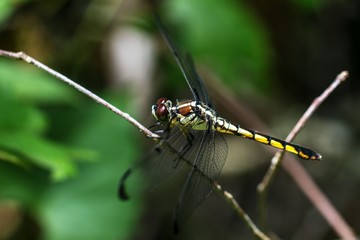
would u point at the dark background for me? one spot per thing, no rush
(61, 154)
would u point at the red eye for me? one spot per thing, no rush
(161, 101)
(161, 111)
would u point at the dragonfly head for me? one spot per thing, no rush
(161, 110)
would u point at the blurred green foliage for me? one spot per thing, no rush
(228, 37)
(7, 7)
(84, 192)
(90, 198)
(22, 125)
(309, 5)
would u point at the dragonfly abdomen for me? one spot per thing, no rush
(224, 126)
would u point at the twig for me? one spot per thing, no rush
(126, 116)
(299, 125)
(301, 177)
(241, 213)
(227, 196)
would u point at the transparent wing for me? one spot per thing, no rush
(195, 83)
(162, 162)
(202, 152)
(209, 156)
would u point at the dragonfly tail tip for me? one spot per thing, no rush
(122, 193)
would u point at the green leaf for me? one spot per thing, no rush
(5, 156)
(21, 125)
(23, 185)
(7, 7)
(89, 201)
(28, 82)
(17, 116)
(227, 36)
(43, 153)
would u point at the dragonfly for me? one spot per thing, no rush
(192, 136)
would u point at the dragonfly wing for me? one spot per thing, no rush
(161, 163)
(195, 83)
(210, 155)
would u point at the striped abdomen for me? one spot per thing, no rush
(223, 126)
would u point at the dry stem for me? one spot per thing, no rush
(301, 177)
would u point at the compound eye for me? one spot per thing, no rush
(161, 101)
(161, 112)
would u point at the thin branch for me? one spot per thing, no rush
(299, 125)
(126, 116)
(276, 160)
(301, 177)
(227, 196)
(241, 213)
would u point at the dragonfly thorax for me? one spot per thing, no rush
(185, 113)
(194, 114)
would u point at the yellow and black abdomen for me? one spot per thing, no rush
(223, 126)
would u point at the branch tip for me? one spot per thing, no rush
(343, 75)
